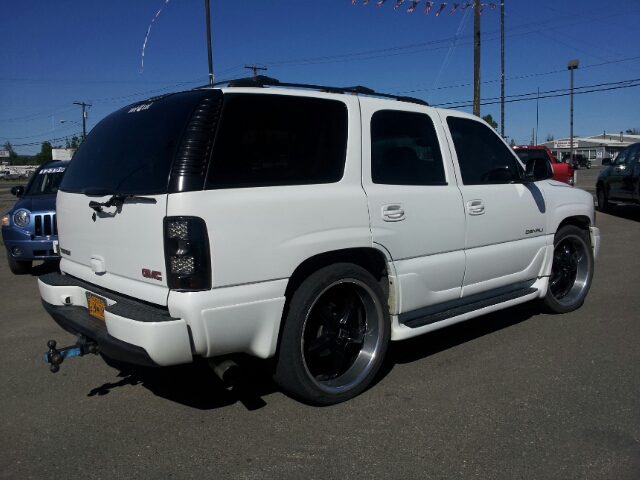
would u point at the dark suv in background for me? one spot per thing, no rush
(29, 229)
(579, 160)
(619, 181)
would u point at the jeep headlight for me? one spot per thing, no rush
(21, 218)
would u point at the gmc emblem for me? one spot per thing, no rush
(154, 274)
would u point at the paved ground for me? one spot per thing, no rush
(517, 394)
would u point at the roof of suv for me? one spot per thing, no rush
(261, 81)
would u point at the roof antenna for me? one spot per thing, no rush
(208, 15)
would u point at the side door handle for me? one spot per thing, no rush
(475, 207)
(393, 212)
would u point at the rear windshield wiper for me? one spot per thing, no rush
(117, 200)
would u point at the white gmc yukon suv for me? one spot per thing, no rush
(312, 225)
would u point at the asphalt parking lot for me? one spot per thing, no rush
(515, 394)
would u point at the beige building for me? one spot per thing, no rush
(595, 148)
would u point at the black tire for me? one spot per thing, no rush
(18, 267)
(571, 272)
(335, 335)
(603, 202)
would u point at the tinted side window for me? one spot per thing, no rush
(405, 149)
(266, 140)
(482, 156)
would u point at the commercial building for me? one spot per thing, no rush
(595, 148)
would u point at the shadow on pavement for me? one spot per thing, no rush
(627, 212)
(424, 346)
(195, 385)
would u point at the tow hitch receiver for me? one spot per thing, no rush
(55, 357)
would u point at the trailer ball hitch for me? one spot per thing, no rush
(55, 357)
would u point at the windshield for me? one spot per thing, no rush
(45, 181)
(528, 154)
(131, 151)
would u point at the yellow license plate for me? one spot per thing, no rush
(96, 305)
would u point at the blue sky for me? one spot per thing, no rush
(55, 53)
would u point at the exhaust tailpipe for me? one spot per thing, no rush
(227, 370)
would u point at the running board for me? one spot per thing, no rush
(456, 311)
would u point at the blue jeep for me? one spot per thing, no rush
(29, 228)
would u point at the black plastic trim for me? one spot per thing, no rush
(410, 319)
(125, 307)
(192, 158)
(76, 320)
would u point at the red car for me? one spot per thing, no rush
(563, 172)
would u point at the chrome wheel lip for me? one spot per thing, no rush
(581, 263)
(371, 345)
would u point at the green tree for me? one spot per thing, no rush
(45, 154)
(489, 119)
(512, 142)
(550, 137)
(73, 143)
(633, 131)
(12, 153)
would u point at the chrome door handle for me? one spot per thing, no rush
(393, 213)
(475, 207)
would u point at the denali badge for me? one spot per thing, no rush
(536, 230)
(146, 273)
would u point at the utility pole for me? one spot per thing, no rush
(502, 69)
(476, 58)
(255, 69)
(208, 15)
(571, 66)
(84, 118)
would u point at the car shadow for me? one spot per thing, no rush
(45, 267)
(423, 346)
(195, 385)
(627, 212)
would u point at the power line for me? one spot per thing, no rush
(523, 97)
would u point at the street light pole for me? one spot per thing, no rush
(571, 66)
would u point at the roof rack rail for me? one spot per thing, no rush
(262, 81)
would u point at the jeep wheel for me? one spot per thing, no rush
(335, 335)
(603, 201)
(18, 267)
(571, 272)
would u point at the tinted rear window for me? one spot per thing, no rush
(132, 150)
(266, 140)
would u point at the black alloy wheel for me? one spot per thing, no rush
(571, 271)
(335, 335)
(603, 201)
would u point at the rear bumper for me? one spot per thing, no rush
(133, 331)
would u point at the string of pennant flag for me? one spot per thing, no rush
(414, 3)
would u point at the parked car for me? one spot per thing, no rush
(311, 225)
(562, 172)
(29, 228)
(579, 160)
(618, 183)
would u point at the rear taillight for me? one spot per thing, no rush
(186, 252)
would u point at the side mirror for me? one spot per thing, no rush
(606, 161)
(537, 169)
(17, 191)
